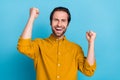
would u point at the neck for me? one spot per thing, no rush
(58, 37)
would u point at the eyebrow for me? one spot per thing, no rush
(58, 19)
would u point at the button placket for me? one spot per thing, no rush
(58, 61)
(58, 67)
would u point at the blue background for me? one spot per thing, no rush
(101, 16)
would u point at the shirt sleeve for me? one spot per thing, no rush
(83, 64)
(27, 47)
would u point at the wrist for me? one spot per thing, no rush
(32, 18)
(91, 43)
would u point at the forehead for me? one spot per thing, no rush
(60, 14)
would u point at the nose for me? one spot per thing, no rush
(59, 23)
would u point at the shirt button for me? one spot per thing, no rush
(58, 53)
(58, 65)
(58, 76)
(59, 43)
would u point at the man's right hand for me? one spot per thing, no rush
(34, 12)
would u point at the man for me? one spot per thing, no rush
(56, 58)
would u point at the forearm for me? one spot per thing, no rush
(91, 56)
(27, 33)
(87, 65)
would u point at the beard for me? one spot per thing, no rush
(59, 31)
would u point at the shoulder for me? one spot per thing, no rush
(76, 48)
(74, 45)
(38, 40)
(41, 40)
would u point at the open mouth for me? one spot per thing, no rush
(58, 29)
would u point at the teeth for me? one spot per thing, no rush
(58, 28)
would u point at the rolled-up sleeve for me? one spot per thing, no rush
(83, 64)
(27, 47)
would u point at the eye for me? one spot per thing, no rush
(64, 20)
(55, 19)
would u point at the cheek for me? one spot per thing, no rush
(65, 25)
(53, 24)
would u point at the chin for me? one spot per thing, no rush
(58, 34)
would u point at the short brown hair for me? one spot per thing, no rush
(61, 9)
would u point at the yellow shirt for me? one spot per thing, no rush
(56, 59)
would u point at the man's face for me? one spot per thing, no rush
(59, 23)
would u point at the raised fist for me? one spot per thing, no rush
(34, 12)
(90, 35)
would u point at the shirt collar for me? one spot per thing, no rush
(53, 38)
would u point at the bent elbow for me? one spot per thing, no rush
(20, 49)
(89, 73)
